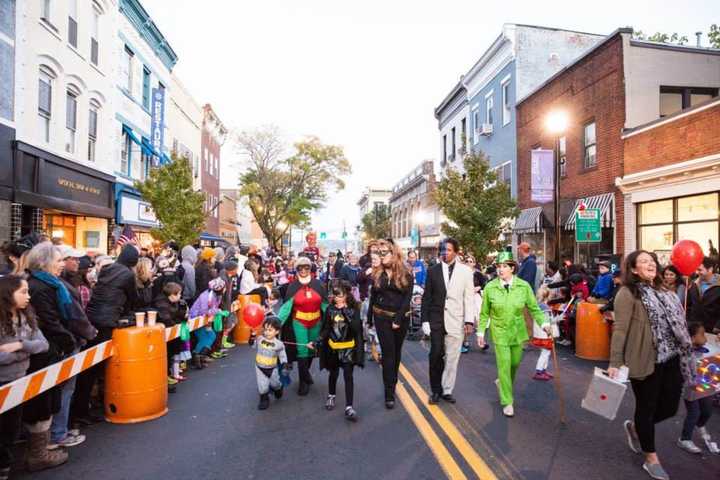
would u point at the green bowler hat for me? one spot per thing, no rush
(504, 257)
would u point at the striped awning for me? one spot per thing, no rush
(604, 202)
(529, 221)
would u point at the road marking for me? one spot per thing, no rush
(478, 465)
(446, 461)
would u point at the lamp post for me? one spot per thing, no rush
(556, 123)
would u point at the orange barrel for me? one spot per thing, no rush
(136, 375)
(592, 334)
(241, 333)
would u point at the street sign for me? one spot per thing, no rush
(587, 226)
(323, 235)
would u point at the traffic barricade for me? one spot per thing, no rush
(241, 333)
(592, 334)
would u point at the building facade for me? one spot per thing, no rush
(479, 113)
(618, 85)
(7, 115)
(62, 155)
(184, 122)
(212, 138)
(229, 216)
(414, 213)
(373, 199)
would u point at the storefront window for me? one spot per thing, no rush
(656, 212)
(699, 207)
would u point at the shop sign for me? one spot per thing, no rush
(146, 212)
(542, 176)
(158, 122)
(588, 228)
(60, 182)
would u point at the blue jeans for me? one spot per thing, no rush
(698, 413)
(205, 338)
(60, 421)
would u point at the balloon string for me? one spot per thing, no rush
(687, 287)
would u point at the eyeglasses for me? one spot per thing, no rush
(382, 253)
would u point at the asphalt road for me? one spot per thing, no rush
(214, 431)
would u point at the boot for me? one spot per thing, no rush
(226, 343)
(197, 362)
(278, 393)
(264, 402)
(39, 457)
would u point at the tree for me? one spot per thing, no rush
(476, 205)
(376, 224)
(714, 36)
(661, 37)
(283, 191)
(178, 208)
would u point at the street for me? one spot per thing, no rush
(214, 430)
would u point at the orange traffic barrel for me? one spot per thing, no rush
(136, 375)
(241, 334)
(592, 334)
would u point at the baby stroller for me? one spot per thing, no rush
(415, 330)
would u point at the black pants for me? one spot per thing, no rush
(391, 342)
(698, 413)
(304, 365)
(437, 359)
(347, 369)
(80, 406)
(656, 399)
(10, 425)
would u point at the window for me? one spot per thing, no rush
(463, 133)
(7, 59)
(45, 103)
(589, 144)
(125, 153)
(661, 223)
(95, 37)
(506, 102)
(127, 68)
(146, 88)
(145, 161)
(675, 99)
(92, 131)
(476, 125)
(46, 13)
(70, 120)
(489, 109)
(505, 173)
(72, 24)
(562, 154)
(444, 152)
(452, 152)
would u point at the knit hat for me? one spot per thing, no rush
(216, 284)
(207, 254)
(85, 263)
(128, 256)
(303, 261)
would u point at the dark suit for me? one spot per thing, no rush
(433, 312)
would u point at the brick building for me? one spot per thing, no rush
(618, 85)
(212, 137)
(671, 181)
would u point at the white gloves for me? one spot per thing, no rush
(426, 328)
(480, 340)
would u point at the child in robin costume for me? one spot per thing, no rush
(270, 356)
(504, 301)
(301, 315)
(340, 344)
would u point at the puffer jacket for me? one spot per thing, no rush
(115, 293)
(54, 328)
(189, 257)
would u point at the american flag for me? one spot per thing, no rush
(127, 236)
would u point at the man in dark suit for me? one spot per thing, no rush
(447, 314)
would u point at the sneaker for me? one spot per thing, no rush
(542, 376)
(509, 411)
(179, 378)
(632, 439)
(183, 366)
(228, 345)
(465, 348)
(688, 446)
(330, 402)
(172, 381)
(656, 471)
(69, 441)
(264, 402)
(218, 355)
(350, 414)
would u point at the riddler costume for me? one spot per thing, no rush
(301, 316)
(502, 307)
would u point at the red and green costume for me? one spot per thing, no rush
(301, 316)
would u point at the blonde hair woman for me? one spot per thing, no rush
(143, 282)
(389, 308)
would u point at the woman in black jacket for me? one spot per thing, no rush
(205, 269)
(144, 283)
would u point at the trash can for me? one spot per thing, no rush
(592, 334)
(241, 333)
(136, 376)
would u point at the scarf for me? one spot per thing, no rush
(664, 306)
(64, 299)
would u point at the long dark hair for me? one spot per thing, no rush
(10, 284)
(631, 280)
(343, 287)
(678, 275)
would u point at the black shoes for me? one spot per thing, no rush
(278, 393)
(434, 399)
(449, 398)
(303, 389)
(389, 404)
(264, 402)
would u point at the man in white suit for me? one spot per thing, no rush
(447, 313)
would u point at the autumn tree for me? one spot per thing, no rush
(178, 208)
(283, 190)
(377, 223)
(476, 204)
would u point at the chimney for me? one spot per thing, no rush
(699, 36)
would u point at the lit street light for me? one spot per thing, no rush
(556, 124)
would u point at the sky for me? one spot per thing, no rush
(366, 75)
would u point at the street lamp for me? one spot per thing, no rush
(556, 123)
(420, 218)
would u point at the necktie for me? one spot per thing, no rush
(507, 287)
(451, 267)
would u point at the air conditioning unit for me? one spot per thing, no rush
(487, 129)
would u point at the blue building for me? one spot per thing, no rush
(479, 112)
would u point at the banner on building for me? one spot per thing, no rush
(157, 129)
(542, 176)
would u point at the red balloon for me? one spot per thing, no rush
(253, 315)
(686, 256)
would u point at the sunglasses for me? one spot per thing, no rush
(382, 253)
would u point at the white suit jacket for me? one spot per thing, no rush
(459, 300)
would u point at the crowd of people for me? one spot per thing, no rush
(57, 301)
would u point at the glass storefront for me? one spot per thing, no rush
(84, 233)
(662, 223)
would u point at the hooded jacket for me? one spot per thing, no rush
(189, 257)
(115, 293)
(705, 308)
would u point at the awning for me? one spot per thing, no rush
(209, 237)
(604, 202)
(132, 136)
(529, 221)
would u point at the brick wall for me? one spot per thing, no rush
(592, 89)
(209, 182)
(689, 137)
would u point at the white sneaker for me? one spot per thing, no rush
(688, 446)
(703, 433)
(508, 411)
